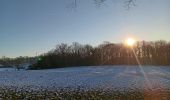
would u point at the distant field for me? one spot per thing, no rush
(116, 82)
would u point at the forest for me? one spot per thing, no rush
(76, 54)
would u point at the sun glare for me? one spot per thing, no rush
(130, 41)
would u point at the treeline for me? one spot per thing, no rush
(11, 62)
(145, 53)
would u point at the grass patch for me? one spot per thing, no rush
(81, 94)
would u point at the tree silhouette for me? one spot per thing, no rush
(148, 53)
(76, 54)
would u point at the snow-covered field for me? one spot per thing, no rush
(92, 77)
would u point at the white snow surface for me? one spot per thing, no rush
(88, 77)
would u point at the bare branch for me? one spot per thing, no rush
(99, 2)
(130, 3)
(75, 2)
(72, 5)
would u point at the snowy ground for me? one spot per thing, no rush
(93, 77)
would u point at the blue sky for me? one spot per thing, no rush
(30, 26)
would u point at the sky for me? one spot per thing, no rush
(28, 27)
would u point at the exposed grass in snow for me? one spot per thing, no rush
(81, 94)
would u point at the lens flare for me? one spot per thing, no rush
(130, 41)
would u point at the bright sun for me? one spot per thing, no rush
(130, 41)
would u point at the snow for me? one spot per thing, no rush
(92, 77)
